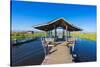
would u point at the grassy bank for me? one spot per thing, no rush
(22, 35)
(88, 36)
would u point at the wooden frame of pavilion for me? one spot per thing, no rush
(53, 25)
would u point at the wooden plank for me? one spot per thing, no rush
(58, 55)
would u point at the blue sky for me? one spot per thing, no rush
(28, 14)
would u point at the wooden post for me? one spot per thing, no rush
(51, 33)
(70, 35)
(63, 34)
(47, 33)
(67, 33)
(55, 33)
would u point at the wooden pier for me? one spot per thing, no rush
(59, 55)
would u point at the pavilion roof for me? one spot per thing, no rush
(61, 22)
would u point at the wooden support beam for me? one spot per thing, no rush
(67, 32)
(55, 32)
(45, 34)
(63, 33)
(51, 33)
(67, 35)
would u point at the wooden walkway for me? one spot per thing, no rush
(58, 55)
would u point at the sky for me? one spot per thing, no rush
(24, 15)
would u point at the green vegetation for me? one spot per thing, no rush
(88, 36)
(23, 35)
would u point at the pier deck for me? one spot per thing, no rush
(58, 55)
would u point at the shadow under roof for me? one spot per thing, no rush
(61, 22)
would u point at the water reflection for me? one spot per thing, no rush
(85, 50)
(28, 54)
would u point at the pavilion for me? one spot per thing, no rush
(53, 25)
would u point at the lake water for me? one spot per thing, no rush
(85, 50)
(31, 53)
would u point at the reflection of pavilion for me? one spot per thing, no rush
(54, 25)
